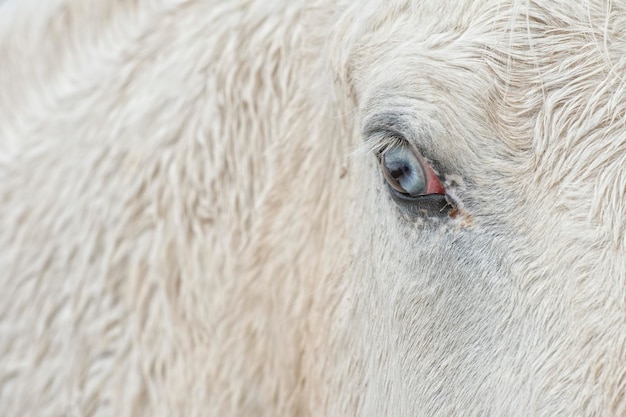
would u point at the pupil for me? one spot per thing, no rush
(399, 172)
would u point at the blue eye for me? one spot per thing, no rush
(403, 171)
(408, 173)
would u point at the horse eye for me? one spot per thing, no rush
(408, 173)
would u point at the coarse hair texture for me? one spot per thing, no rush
(194, 221)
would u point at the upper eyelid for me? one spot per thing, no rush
(381, 130)
(378, 129)
(385, 123)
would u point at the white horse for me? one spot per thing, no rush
(312, 208)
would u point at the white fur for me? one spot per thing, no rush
(185, 233)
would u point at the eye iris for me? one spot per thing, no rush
(404, 171)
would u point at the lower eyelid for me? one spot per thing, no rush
(431, 205)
